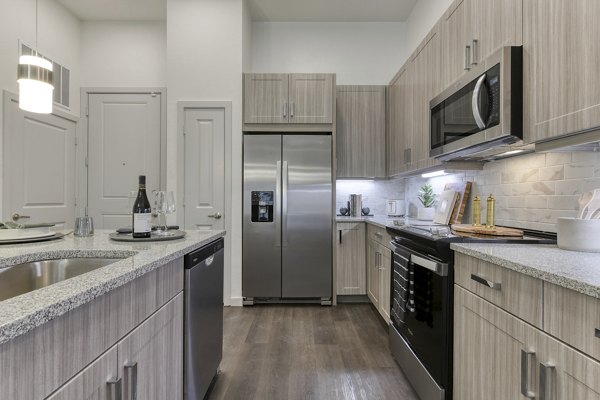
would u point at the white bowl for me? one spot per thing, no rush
(25, 233)
(579, 234)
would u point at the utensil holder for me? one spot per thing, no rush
(579, 234)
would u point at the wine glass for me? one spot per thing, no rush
(160, 208)
(170, 208)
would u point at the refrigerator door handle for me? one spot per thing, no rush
(284, 205)
(277, 216)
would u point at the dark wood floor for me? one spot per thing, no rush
(307, 352)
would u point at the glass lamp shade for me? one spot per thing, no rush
(35, 84)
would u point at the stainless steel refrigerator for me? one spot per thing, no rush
(288, 214)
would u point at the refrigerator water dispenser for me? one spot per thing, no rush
(262, 206)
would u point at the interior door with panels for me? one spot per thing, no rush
(311, 98)
(39, 166)
(124, 141)
(204, 186)
(266, 98)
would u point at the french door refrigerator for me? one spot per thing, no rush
(288, 216)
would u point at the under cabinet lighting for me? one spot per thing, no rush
(434, 174)
(509, 153)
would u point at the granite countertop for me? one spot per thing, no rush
(19, 315)
(573, 270)
(382, 221)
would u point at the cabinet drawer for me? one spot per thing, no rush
(379, 235)
(519, 294)
(573, 317)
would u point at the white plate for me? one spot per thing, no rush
(29, 233)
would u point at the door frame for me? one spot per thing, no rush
(226, 106)
(83, 131)
(7, 98)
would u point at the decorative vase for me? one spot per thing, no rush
(425, 214)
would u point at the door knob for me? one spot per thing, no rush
(16, 217)
(216, 215)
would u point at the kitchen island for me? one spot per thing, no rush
(65, 340)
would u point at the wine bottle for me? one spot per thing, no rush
(142, 214)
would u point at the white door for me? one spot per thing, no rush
(124, 141)
(204, 186)
(39, 166)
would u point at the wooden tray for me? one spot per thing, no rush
(126, 237)
(482, 230)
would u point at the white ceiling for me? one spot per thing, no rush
(262, 10)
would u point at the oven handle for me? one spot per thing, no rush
(436, 267)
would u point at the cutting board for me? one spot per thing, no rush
(482, 230)
(464, 190)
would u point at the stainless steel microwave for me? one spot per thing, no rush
(481, 112)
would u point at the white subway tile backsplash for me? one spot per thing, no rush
(579, 170)
(553, 173)
(558, 158)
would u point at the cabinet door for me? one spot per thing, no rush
(311, 98)
(151, 356)
(373, 272)
(561, 58)
(266, 98)
(497, 24)
(399, 109)
(488, 344)
(97, 381)
(385, 282)
(457, 33)
(351, 275)
(360, 138)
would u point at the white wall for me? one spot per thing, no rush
(204, 62)
(422, 18)
(123, 53)
(358, 52)
(58, 32)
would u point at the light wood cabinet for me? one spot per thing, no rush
(561, 54)
(496, 24)
(151, 357)
(351, 274)
(379, 275)
(385, 283)
(289, 99)
(360, 131)
(373, 291)
(457, 32)
(97, 381)
(398, 134)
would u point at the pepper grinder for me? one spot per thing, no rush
(491, 212)
(477, 211)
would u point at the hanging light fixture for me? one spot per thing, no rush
(35, 79)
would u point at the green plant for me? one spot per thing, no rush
(426, 196)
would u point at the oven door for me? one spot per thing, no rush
(421, 309)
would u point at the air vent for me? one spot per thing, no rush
(62, 77)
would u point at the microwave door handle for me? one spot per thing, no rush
(475, 102)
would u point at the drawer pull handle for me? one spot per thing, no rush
(131, 376)
(526, 356)
(485, 282)
(379, 235)
(598, 333)
(547, 381)
(114, 388)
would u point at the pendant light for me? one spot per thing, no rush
(35, 79)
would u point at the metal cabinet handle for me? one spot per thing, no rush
(378, 234)
(526, 357)
(474, 52)
(114, 388)
(131, 380)
(485, 282)
(467, 58)
(292, 109)
(16, 217)
(547, 372)
(216, 215)
(284, 110)
(597, 333)
(340, 231)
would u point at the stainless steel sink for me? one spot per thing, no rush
(23, 278)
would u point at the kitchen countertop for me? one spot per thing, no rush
(382, 221)
(19, 315)
(573, 270)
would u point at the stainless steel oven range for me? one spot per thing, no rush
(421, 314)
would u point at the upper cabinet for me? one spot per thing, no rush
(289, 101)
(474, 29)
(399, 106)
(360, 131)
(561, 57)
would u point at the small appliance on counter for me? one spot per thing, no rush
(355, 205)
(395, 208)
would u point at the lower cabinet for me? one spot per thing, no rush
(500, 357)
(350, 266)
(146, 364)
(379, 264)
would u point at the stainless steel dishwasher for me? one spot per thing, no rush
(203, 318)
